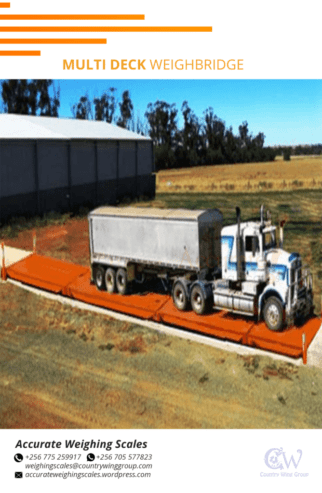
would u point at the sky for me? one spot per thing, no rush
(288, 112)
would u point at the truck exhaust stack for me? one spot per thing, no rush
(239, 248)
(282, 233)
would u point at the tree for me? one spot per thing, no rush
(47, 105)
(139, 125)
(191, 138)
(255, 148)
(244, 139)
(259, 140)
(21, 96)
(15, 96)
(214, 137)
(162, 120)
(82, 110)
(126, 110)
(231, 147)
(244, 136)
(161, 117)
(105, 106)
(214, 129)
(287, 154)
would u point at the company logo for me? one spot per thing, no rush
(283, 464)
(276, 458)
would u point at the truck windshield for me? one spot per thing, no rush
(269, 240)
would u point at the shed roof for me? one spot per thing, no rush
(46, 127)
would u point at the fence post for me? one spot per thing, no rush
(304, 348)
(34, 240)
(3, 268)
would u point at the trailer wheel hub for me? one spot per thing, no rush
(180, 296)
(99, 278)
(197, 300)
(121, 281)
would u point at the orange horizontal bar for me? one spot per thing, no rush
(54, 41)
(78, 17)
(83, 29)
(4, 5)
(20, 53)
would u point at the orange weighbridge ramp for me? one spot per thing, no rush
(73, 280)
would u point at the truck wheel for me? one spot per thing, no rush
(121, 281)
(110, 280)
(179, 296)
(99, 277)
(274, 314)
(199, 301)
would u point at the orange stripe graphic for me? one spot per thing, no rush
(58, 17)
(54, 41)
(83, 29)
(4, 5)
(19, 53)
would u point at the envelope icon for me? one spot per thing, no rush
(18, 474)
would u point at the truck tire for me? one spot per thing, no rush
(110, 280)
(121, 281)
(274, 314)
(199, 301)
(99, 275)
(180, 296)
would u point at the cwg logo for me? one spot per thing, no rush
(275, 458)
(282, 464)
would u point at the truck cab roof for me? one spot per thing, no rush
(250, 227)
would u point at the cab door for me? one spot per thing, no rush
(251, 245)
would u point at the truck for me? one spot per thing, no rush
(238, 268)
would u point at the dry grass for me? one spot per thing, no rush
(300, 173)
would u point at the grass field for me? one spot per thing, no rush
(299, 173)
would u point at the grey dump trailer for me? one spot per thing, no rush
(133, 244)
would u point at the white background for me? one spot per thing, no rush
(183, 460)
(276, 40)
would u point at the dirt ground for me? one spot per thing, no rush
(68, 241)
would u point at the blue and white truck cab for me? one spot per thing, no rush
(260, 278)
